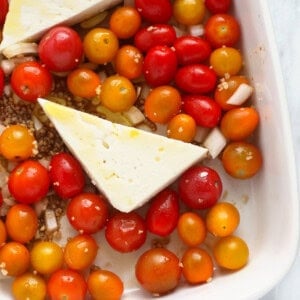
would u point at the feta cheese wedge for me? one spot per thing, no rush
(128, 165)
(27, 20)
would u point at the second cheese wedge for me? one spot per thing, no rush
(128, 165)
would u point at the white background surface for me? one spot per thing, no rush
(285, 16)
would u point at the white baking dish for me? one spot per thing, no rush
(268, 203)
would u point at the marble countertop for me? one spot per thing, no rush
(286, 22)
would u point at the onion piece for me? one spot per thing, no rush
(134, 115)
(7, 66)
(50, 220)
(215, 142)
(20, 49)
(196, 30)
(201, 134)
(241, 94)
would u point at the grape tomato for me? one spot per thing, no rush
(218, 6)
(3, 12)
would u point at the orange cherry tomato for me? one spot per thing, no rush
(80, 252)
(191, 229)
(17, 142)
(226, 60)
(197, 266)
(226, 89)
(241, 160)
(222, 219)
(117, 93)
(3, 233)
(105, 285)
(231, 252)
(100, 45)
(14, 259)
(21, 223)
(189, 12)
(83, 82)
(162, 104)
(125, 22)
(182, 127)
(29, 286)
(46, 257)
(129, 62)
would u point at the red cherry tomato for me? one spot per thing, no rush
(191, 50)
(163, 213)
(154, 35)
(218, 6)
(205, 111)
(200, 187)
(60, 49)
(30, 80)
(160, 65)
(66, 174)
(1, 81)
(155, 11)
(87, 212)
(29, 182)
(196, 79)
(126, 232)
(3, 11)
(66, 284)
(222, 30)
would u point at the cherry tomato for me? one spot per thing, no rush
(158, 271)
(83, 82)
(29, 286)
(218, 6)
(155, 11)
(66, 284)
(105, 285)
(14, 259)
(205, 111)
(200, 187)
(60, 49)
(46, 257)
(160, 65)
(3, 233)
(241, 160)
(189, 12)
(239, 123)
(222, 219)
(30, 80)
(197, 266)
(100, 45)
(129, 62)
(191, 229)
(162, 103)
(191, 50)
(117, 93)
(226, 89)
(3, 11)
(196, 79)
(163, 213)
(2, 80)
(16, 142)
(80, 252)
(222, 30)
(29, 182)
(21, 223)
(182, 127)
(125, 22)
(154, 35)
(87, 212)
(66, 175)
(231, 252)
(126, 232)
(226, 60)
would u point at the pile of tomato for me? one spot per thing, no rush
(190, 78)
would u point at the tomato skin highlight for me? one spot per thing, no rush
(205, 111)
(160, 65)
(196, 79)
(163, 213)
(66, 174)
(200, 187)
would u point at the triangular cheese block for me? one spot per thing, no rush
(128, 165)
(27, 20)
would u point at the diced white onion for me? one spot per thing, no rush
(102, 75)
(196, 30)
(242, 93)
(134, 115)
(215, 142)
(41, 206)
(201, 133)
(145, 91)
(50, 220)
(180, 31)
(20, 49)
(7, 66)
(37, 123)
(144, 126)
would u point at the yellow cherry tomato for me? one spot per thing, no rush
(189, 12)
